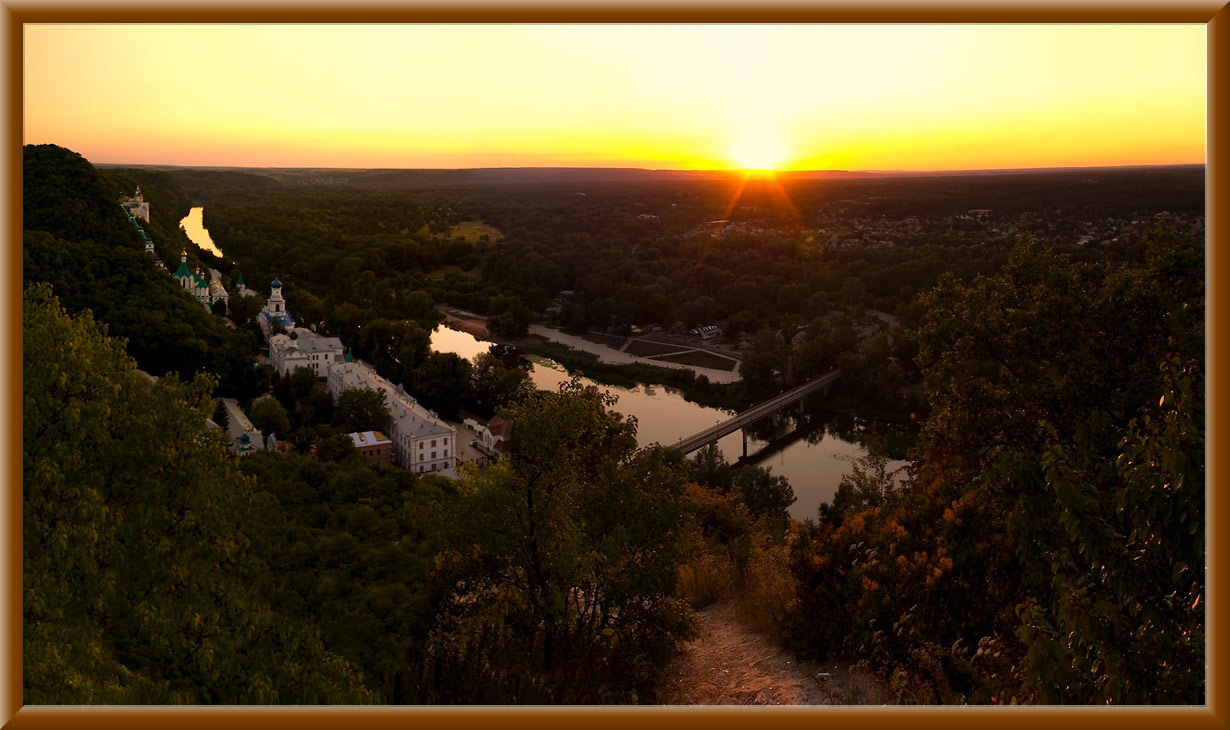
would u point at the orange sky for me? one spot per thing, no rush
(910, 97)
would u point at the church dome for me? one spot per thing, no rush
(276, 284)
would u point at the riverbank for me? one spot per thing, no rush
(627, 371)
(467, 322)
(612, 356)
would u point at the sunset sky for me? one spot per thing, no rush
(865, 97)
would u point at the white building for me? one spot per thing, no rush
(422, 441)
(275, 311)
(302, 348)
(136, 206)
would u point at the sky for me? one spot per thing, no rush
(802, 97)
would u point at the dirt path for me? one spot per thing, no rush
(729, 665)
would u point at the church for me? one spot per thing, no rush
(275, 311)
(192, 281)
(136, 206)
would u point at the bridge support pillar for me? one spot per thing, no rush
(744, 432)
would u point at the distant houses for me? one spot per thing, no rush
(419, 440)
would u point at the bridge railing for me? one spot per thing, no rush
(755, 413)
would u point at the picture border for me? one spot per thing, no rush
(1216, 15)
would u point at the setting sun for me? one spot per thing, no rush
(758, 151)
(681, 102)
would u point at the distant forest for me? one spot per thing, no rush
(1045, 546)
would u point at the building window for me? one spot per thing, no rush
(446, 453)
(433, 454)
(433, 442)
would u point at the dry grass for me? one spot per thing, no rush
(767, 588)
(705, 579)
(472, 231)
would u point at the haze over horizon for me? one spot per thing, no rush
(897, 98)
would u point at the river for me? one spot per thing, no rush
(812, 455)
(814, 462)
(197, 233)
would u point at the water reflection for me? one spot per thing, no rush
(194, 226)
(812, 450)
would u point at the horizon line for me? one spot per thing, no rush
(879, 171)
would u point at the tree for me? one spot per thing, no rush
(1048, 497)
(243, 308)
(443, 383)
(362, 409)
(764, 494)
(765, 363)
(509, 318)
(138, 576)
(269, 416)
(869, 484)
(496, 386)
(561, 583)
(708, 468)
(335, 447)
(221, 416)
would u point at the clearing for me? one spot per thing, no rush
(473, 231)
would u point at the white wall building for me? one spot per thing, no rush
(136, 206)
(302, 348)
(422, 441)
(275, 311)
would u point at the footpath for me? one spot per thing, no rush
(730, 665)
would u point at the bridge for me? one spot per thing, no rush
(755, 413)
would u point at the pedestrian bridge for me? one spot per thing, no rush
(755, 413)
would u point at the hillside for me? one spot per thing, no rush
(77, 239)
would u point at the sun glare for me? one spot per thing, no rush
(758, 151)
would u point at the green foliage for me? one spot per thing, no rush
(269, 417)
(560, 586)
(443, 383)
(350, 548)
(78, 239)
(1047, 547)
(869, 485)
(1123, 620)
(708, 468)
(496, 386)
(362, 409)
(764, 494)
(138, 575)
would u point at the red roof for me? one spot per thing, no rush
(499, 427)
